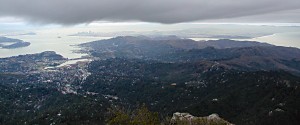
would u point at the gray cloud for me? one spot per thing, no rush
(162, 11)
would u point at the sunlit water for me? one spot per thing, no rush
(289, 39)
(63, 45)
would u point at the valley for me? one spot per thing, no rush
(243, 82)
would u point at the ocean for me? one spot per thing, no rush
(66, 45)
(63, 45)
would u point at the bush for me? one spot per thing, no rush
(139, 116)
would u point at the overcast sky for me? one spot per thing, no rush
(69, 12)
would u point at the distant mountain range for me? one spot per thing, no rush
(240, 55)
(244, 82)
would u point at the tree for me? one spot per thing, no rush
(139, 116)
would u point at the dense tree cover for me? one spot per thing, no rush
(242, 97)
(35, 103)
(248, 86)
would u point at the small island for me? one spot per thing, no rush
(9, 43)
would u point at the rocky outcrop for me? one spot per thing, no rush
(188, 119)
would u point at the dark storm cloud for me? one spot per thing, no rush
(162, 11)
